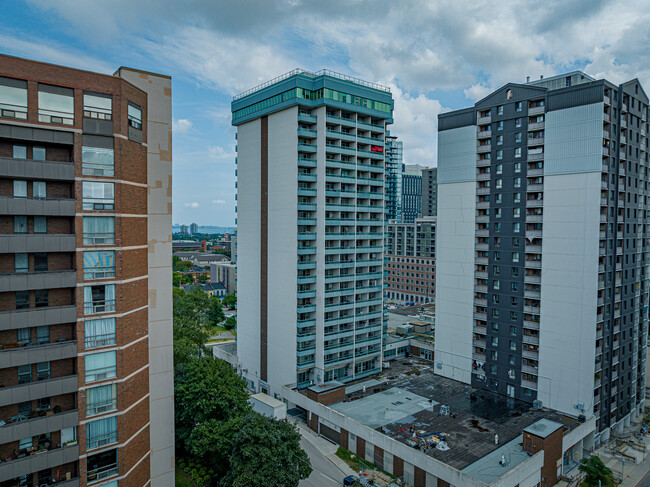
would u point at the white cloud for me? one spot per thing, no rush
(192, 204)
(217, 152)
(181, 126)
(477, 92)
(219, 202)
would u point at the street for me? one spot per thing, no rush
(325, 473)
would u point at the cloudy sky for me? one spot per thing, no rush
(435, 55)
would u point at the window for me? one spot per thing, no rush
(497, 213)
(499, 154)
(101, 432)
(497, 270)
(516, 227)
(20, 152)
(41, 298)
(55, 104)
(97, 156)
(496, 285)
(40, 224)
(135, 116)
(499, 139)
(500, 125)
(39, 154)
(500, 109)
(516, 212)
(518, 152)
(498, 184)
(517, 166)
(24, 374)
(43, 371)
(494, 342)
(43, 334)
(515, 256)
(495, 326)
(40, 262)
(495, 313)
(100, 366)
(513, 344)
(518, 106)
(518, 122)
(515, 287)
(513, 331)
(99, 299)
(515, 241)
(101, 399)
(21, 263)
(25, 408)
(495, 298)
(497, 227)
(497, 255)
(98, 230)
(13, 98)
(98, 196)
(22, 299)
(25, 444)
(99, 265)
(20, 224)
(20, 189)
(43, 404)
(515, 273)
(494, 355)
(497, 198)
(39, 189)
(499, 168)
(516, 198)
(23, 335)
(518, 137)
(517, 183)
(99, 333)
(98, 106)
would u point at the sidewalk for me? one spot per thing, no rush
(327, 448)
(636, 473)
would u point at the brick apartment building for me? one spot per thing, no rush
(410, 270)
(86, 386)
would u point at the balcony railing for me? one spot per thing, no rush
(101, 440)
(100, 340)
(99, 272)
(99, 306)
(99, 238)
(101, 407)
(101, 473)
(102, 373)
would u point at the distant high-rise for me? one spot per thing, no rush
(430, 191)
(310, 218)
(542, 252)
(85, 293)
(194, 228)
(184, 229)
(393, 152)
(411, 197)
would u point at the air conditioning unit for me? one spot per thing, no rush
(537, 404)
(580, 406)
(439, 365)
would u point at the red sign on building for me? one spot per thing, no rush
(376, 148)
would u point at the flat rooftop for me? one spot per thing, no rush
(410, 395)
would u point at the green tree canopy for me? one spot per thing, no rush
(595, 470)
(229, 300)
(215, 311)
(207, 388)
(230, 323)
(265, 452)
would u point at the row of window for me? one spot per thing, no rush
(56, 104)
(96, 195)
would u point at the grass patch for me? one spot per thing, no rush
(355, 464)
(183, 480)
(215, 329)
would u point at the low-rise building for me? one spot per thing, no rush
(410, 270)
(201, 258)
(212, 288)
(226, 273)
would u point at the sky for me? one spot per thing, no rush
(435, 56)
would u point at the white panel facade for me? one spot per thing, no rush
(282, 247)
(248, 249)
(569, 292)
(455, 279)
(457, 155)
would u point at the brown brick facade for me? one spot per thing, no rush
(130, 166)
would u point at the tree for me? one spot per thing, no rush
(206, 388)
(187, 278)
(176, 278)
(184, 265)
(189, 320)
(595, 470)
(230, 323)
(264, 452)
(230, 300)
(215, 311)
(175, 260)
(203, 278)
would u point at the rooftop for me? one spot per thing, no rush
(322, 72)
(409, 398)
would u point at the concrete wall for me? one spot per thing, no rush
(248, 248)
(282, 245)
(455, 279)
(570, 236)
(159, 230)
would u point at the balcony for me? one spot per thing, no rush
(535, 111)
(10, 205)
(25, 318)
(484, 134)
(482, 149)
(37, 280)
(48, 423)
(535, 126)
(537, 156)
(40, 461)
(534, 141)
(37, 390)
(483, 120)
(33, 353)
(37, 242)
(31, 169)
